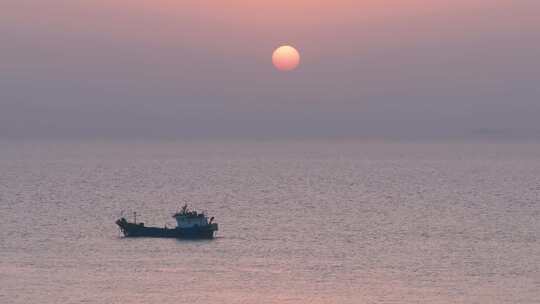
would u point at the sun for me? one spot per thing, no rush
(286, 58)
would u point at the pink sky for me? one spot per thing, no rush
(378, 65)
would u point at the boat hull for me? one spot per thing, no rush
(139, 230)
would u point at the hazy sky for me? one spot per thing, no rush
(202, 69)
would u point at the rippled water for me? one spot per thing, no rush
(300, 222)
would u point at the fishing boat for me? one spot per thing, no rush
(190, 225)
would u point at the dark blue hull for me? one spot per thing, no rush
(139, 230)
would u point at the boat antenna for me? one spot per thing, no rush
(135, 217)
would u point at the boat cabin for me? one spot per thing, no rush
(190, 219)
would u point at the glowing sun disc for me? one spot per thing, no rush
(286, 58)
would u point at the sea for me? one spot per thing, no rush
(300, 221)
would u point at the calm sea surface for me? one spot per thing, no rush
(300, 222)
